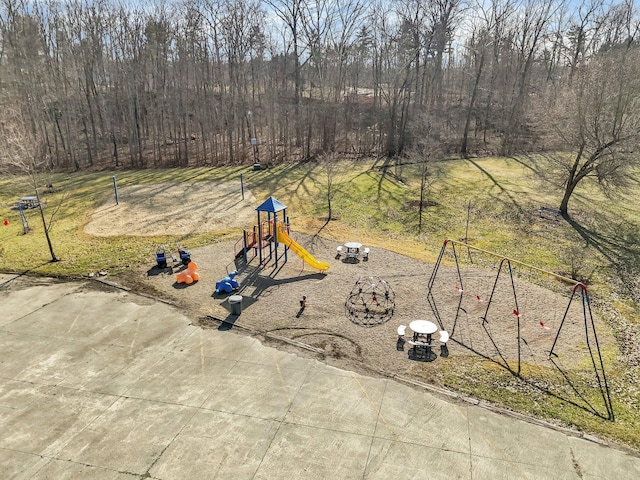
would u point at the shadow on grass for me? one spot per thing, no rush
(574, 396)
(530, 164)
(618, 244)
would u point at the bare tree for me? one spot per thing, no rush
(485, 29)
(172, 83)
(291, 12)
(583, 32)
(329, 163)
(599, 117)
(527, 41)
(23, 153)
(427, 147)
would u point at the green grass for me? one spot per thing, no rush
(602, 240)
(78, 196)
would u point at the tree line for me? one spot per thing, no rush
(106, 83)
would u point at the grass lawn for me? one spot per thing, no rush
(600, 244)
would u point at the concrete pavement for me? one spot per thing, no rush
(104, 384)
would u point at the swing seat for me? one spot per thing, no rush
(444, 336)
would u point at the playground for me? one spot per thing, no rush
(121, 241)
(273, 282)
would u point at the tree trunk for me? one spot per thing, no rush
(46, 228)
(572, 182)
(467, 124)
(568, 191)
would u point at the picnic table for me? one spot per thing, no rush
(28, 202)
(353, 250)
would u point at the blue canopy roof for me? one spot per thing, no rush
(271, 205)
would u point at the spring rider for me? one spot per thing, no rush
(161, 257)
(189, 275)
(227, 284)
(185, 255)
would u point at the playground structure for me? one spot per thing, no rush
(267, 236)
(189, 275)
(497, 314)
(371, 302)
(227, 284)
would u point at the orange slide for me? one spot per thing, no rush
(299, 250)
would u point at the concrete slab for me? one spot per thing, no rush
(29, 358)
(16, 394)
(491, 469)
(261, 391)
(504, 438)
(129, 436)
(407, 416)
(181, 379)
(257, 354)
(111, 370)
(595, 462)
(64, 470)
(217, 445)
(389, 459)
(50, 420)
(20, 465)
(205, 342)
(346, 404)
(106, 385)
(299, 451)
(18, 303)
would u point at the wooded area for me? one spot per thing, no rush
(105, 83)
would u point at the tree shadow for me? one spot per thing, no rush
(577, 399)
(8, 282)
(531, 164)
(493, 180)
(256, 281)
(620, 245)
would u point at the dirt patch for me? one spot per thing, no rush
(173, 209)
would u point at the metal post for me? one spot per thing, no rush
(275, 235)
(286, 227)
(242, 186)
(115, 189)
(466, 233)
(25, 224)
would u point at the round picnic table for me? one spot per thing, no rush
(423, 327)
(355, 246)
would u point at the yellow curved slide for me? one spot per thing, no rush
(299, 250)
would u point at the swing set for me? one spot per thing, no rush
(534, 323)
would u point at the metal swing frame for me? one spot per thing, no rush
(578, 289)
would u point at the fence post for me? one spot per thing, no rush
(115, 189)
(466, 233)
